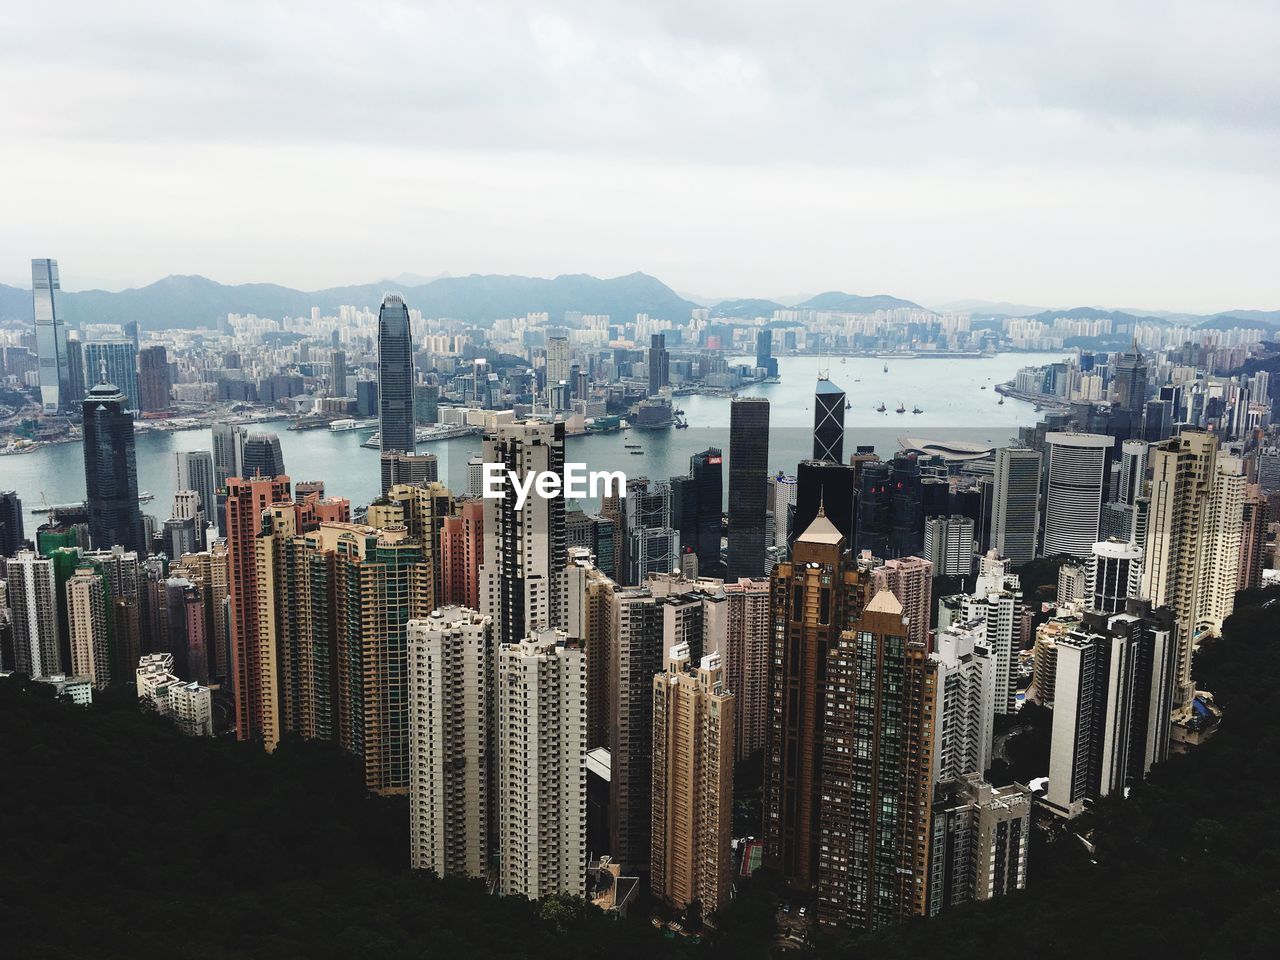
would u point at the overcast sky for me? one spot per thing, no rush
(1116, 153)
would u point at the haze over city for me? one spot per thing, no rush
(1068, 154)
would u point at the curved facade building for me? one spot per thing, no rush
(1076, 467)
(395, 375)
(1114, 575)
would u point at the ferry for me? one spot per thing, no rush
(347, 423)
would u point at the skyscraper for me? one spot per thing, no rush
(451, 704)
(692, 795)
(706, 470)
(949, 545)
(541, 761)
(996, 601)
(111, 470)
(652, 543)
(966, 681)
(522, 577)
(748, 625)
(816, 595)
(337, 373)
(414, 468)
(1131, 382)
(831, 484)
(195, 471)
(57, 392)
(33, 600)
(978, 842)
(748, 486)
(764, 353)
(120, 357)
(1015, 521)
(828, 421)
(261, 456)
(1075, 483)
(11, 527)
(659, 363)
(1113, 576)
(153, 379)
(395, 375)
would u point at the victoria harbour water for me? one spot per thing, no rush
(950, 392)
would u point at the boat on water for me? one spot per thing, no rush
(637, 453)
(916, 410)
(902, 407)
(886, 368)
(984, 386)
(632, 446)
(1002, 400)
(881, 408)
(347, 423)
(848, 405)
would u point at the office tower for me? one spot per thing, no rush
(1113, 576)
(1269, 469)
(461, 550)
(949, 545)
(1015, 521)
(816, 595)
(652, 543)
(891, 508)
(880, 706)
(1072, 584)
(1131, 380)
(247, 499)
(120, 358)
(997, 600)
(367, 398)
(412, 468)
(748, 482)
(183, 532)
(706, 470)
(33, 600)
(659, 363)
(522, 577)
(426, 404)
(11, 530)
(57, 392)
(1076, 468)
(1192, 553)
(635, 655)
(910, 579)
(746, 660)
(780, 523)
(978, 842)
(475, 477)
(395, 375)
(154, 382)
(764, 353)
(75, 368)
(1133, 471)
(1254, 516)
(261, 456)
(195, 471)
(541, 761)
(228, 453)
(828, 421)
(111, 470)
(831, 484)
(1113, 687)
(337, 373)
(451, 694)
(692, 820)
(590, 619)
(684, 514)
(964, 725)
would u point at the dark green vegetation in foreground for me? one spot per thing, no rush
(123, 839)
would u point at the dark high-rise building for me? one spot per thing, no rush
(1131, 381)
(748, 486)
(153, 379)
(11, 535)
(418, 469)
(367, 398)
(121, 360)
(395, 375)
(830, 484)
(426, 403)
(706, 470)
(764, 353)
(815, 596)
(1157, 421)
(337, 373)
(659, 363)
(828, 421)
(57, 392)
(890, 508)
(261, 456)
(111, 470)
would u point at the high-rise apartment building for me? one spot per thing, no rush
(422, 510)
(997, 602)
(461, 550)
(816, 595)
(1076, 468)
(964, 724)
(879, 709)
(748, 482)
(451, 704)
(57, 392)
(910, 579)
(395, 376)
(90, 629)
(522, 577)
(828, 421)
(1015, 522)
(590, 620)
(1113, 576)
(1113, 690)
(33, 601)
(692, 794)
(541, 758)
(154, 382)
(1255, 515)
(978, 841)
(111, 470)
(557, 362)
(949, 545)
(748, 636)
(195, 471)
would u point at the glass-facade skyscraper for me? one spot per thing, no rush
(395, 375)
(121, 359)
(56, 390)
(828, 421)
(748, 486)
(111, 470)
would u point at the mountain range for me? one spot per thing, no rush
(195, 301)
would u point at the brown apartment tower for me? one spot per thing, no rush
(817, 595)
